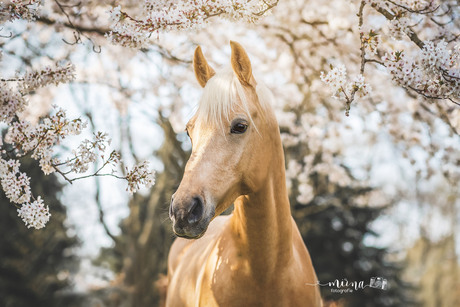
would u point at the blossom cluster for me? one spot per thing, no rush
(47, 75)
(23, 137)
(89, 151)
(85, 153)
(14, 183)
(342, 88)
(13, 100)
(370, 41)
(404, 13)
(177, 15)
(140, 174)
(125, 32)
(34, 214)
(399, 26)
(19, 9)
(40, 142)
(434, 72)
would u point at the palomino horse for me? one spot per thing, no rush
(256, 256)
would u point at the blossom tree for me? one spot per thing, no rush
(351, 48)
(40, 140)
(367, 92)
(392, 66)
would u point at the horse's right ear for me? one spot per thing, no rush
(203, 72)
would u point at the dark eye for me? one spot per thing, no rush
(186, 131)
(239, 128)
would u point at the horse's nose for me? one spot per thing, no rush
(170, 207)
(187, 214)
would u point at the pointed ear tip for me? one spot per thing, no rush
(198, 50)
(234, 44)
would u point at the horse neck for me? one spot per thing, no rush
(262, 222)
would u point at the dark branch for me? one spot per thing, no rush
(410, 33)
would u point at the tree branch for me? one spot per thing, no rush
(411, 34)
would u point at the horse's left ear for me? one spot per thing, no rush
(241, 64)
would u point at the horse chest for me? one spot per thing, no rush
(221, 276)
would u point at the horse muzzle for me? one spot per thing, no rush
(189, 216)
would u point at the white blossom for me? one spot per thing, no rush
(15, 183)
(433, 72)
(47, 75)
(86, 153)
(140, 174)
(11, 102)
(34, 214)
(19, 9)
(41, 139)
(343, 89)
(371, 41)
(176, 15)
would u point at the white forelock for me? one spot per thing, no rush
(223, 94)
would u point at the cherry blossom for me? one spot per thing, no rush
(41, 140)
(178, 15)
(16, 184)
(34, 214)
(434, 72)
(140, 174)
(19, 9)
(343, 89)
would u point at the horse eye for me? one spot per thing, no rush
(239, 128)
(186, 130)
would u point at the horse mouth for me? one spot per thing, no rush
(190, 237)
(191, 233)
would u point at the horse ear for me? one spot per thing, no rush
(241, 64)
(203, 72)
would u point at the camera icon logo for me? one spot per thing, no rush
(378, 283)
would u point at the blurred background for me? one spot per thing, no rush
(375, 193)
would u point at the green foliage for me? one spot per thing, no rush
(334, 228)
(35, 264)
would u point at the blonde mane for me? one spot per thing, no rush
(224, 94)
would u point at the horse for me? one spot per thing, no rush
(254, 256)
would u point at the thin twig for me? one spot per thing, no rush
(269, 7)
(423, 11)
(12, 80)
(411, 34)
(374, 61)
(78, 33)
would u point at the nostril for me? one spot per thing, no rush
(171, 208)
(196, 211)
